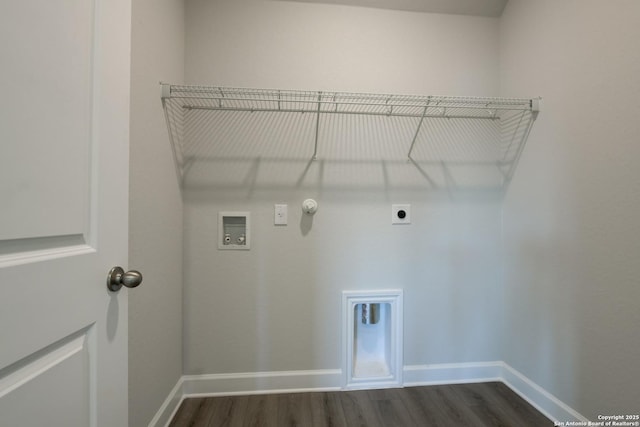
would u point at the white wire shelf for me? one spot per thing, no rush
(511, 118)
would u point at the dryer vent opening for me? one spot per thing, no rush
(372, 339)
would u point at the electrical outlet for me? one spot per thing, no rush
(280, 214)
(400, 214)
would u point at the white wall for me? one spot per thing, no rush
(279, 44)
(155, 308)
(277, 306)
(571, 229)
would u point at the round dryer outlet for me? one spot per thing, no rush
(401, 214)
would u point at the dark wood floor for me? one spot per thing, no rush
(462, 405)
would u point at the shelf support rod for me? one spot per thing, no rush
(415, 136)
(525, 136)
(315, 144)
(176, 151)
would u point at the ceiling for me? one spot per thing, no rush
(492, 8)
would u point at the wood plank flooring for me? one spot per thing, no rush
(462, 405)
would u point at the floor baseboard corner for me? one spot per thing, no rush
(170, 406)
(552, 407)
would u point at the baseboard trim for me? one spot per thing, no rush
(170, 406)
(262, 382)
(452, 373)
(538, 397)
(331, 380)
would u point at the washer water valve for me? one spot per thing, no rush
(234, 229)
(309, 206)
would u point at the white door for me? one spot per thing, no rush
(64, 113)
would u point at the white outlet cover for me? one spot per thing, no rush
(280, 214)
(397, 216)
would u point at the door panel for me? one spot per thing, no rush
(25, 397)
(45, 117)
(63, 212)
